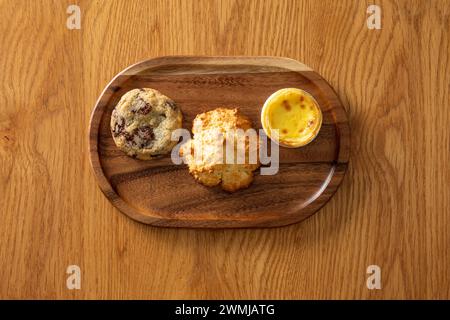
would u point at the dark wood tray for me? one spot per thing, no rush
(160, 193)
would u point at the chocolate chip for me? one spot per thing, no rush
(141, 137)
(171, 104)
(141, 107)
(128, 136)
(146, 109)
(145, 133)
(119, 126)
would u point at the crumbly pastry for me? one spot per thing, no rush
(205, 154)
(142, 123)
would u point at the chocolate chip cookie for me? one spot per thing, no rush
(142, 123)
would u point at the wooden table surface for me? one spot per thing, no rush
(392, 209)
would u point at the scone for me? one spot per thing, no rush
(205, 154)
(142, 123)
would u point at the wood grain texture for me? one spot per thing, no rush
(392, 208)
(160, 193)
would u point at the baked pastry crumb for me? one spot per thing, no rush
(210, 167)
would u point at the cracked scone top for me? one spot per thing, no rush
(205, 153)
(142, 123)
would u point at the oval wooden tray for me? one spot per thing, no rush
(160, 193)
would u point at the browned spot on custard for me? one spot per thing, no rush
(286, 105)
(310, 123)
(302, 106)
(284, 131)
(301, 130)
(302, 98)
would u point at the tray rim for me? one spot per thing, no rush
(155, 220)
